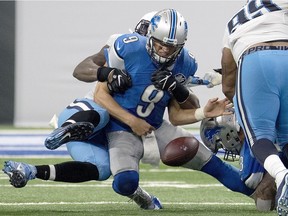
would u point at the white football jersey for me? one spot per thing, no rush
(110, 41)
(258, 21)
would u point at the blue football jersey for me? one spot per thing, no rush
(143, 99)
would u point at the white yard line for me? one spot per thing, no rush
(107, 203)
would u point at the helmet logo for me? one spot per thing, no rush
(209, 133)
(154, 22)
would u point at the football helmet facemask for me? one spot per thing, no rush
(142, 26)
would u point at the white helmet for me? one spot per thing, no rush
(142, 26)
(221, 132)
(167, 27)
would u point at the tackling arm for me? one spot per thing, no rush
(103, 98)
(191, 103)
(229, 70)
(87, 69)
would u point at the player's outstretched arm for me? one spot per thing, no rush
(213, 108)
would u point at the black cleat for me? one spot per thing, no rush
(72, 132)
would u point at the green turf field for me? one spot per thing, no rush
(182, 192)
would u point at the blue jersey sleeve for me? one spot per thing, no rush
(185, 66)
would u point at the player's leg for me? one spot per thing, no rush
(282, 140)
(255, 177)
(91, 162)
(125, 151)
(204, 160)
(91, 154)
(258, 118)
(72, 171)
(77, 122)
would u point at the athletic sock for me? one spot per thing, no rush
(275, 168)
(72, 171)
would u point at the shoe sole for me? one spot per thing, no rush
(282, 208)
(18, 179)
(73, 132)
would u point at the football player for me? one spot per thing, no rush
(224, 132)
(140, 109)
(82, 124)
(254, 62)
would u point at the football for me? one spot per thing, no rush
(179, 151)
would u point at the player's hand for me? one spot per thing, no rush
(164, 80)
(216, 107)
(140, 127)
(119, 81)
(214, 79)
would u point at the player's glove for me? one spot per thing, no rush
(213, 78)
(118, 81)
(164, 80)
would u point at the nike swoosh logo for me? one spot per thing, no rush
(119, 79)
(118, 46)
(67, 135)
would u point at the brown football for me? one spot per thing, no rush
(179, 151)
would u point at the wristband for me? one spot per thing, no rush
(181, 93)
(103, 73)
(199, 114)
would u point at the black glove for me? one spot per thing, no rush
(118, 81)
(164, 80)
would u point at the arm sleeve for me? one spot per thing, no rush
(112, 57)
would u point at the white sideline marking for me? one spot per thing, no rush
(105, 203)
(147, 185)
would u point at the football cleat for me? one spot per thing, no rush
(72, 132)
(19, 173)
(157, 203)
(145, 201)
(282, 197)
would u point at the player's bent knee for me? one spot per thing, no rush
(104, 172)
(126, 183)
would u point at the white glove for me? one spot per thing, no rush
(214, 79)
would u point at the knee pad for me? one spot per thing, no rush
(126, 183)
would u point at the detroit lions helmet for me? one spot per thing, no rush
(142, 26)
(221, 132)
(169, 28)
